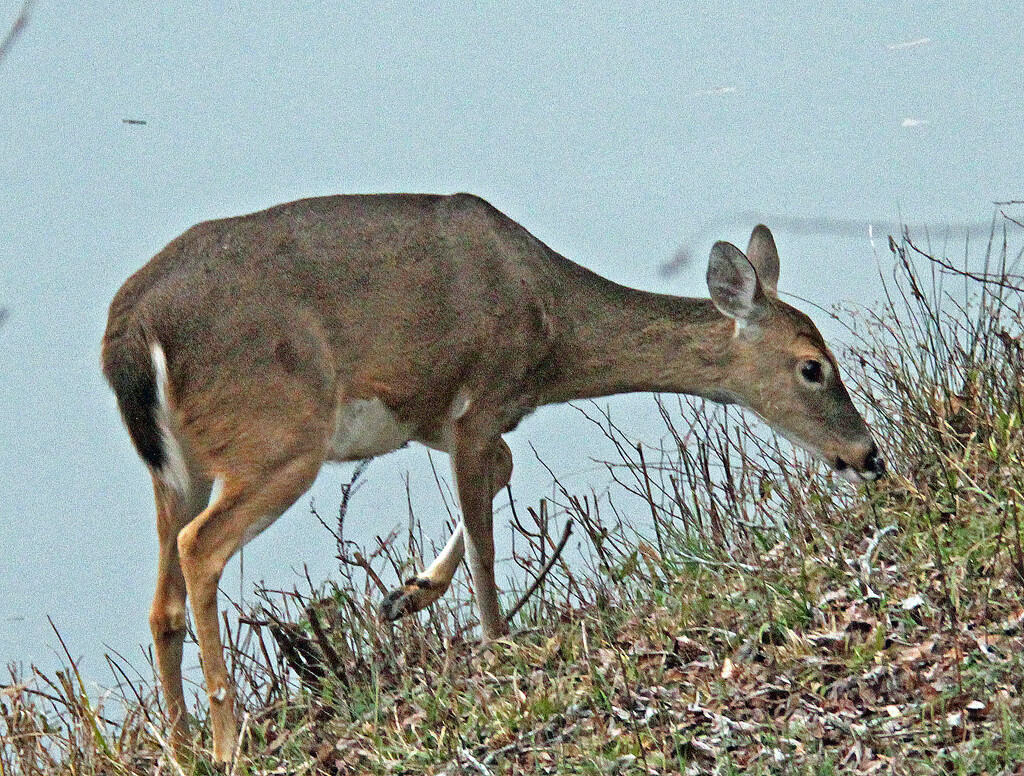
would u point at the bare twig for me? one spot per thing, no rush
(347, 491)
(730, 564)
(869, 553)
(330, 655)
(480, 767)
(1000, 280)
(238, 745)
(364, 564)
(166, 747)
(543, 573)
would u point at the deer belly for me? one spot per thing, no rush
(364, 428)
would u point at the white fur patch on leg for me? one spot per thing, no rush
(175, 469)
(444, 566)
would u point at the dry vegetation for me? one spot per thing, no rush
(730, 611)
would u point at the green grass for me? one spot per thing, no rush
(734, 610)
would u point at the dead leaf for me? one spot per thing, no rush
(728, 669)
(687, 649)
(1012, 624)
(977, 710)
(912, 603)
(914, 653)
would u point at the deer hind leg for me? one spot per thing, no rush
(421, 590)
(167, 614)
(245, 506)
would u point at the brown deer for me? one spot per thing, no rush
(252, 349)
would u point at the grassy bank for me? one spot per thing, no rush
(732, 610)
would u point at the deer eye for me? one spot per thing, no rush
(811, 371)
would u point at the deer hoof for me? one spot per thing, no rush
(411, 597)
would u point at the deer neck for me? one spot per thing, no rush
(610, 339)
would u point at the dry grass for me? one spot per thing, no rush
(731, 610)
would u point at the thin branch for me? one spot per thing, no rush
(544, 572)
(869, 553)
(333, 661)
(730, 564)
(980, 277)
(169, 755)
(359, 560)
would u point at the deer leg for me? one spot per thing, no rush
(420, 591)
(242, 510)
(473, 475)
(167, 613)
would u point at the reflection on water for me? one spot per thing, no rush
(924, 233)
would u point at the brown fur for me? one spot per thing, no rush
(461, 323)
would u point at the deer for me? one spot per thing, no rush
(253, 349)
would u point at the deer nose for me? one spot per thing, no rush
(874, 462)
(871, 468)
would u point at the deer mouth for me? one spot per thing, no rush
(847, 471)
(851, 475)
(873, 469)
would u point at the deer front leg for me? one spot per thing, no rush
(420, 591)
(473, 456)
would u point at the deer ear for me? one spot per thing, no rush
(762, 253)
(733, 283)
